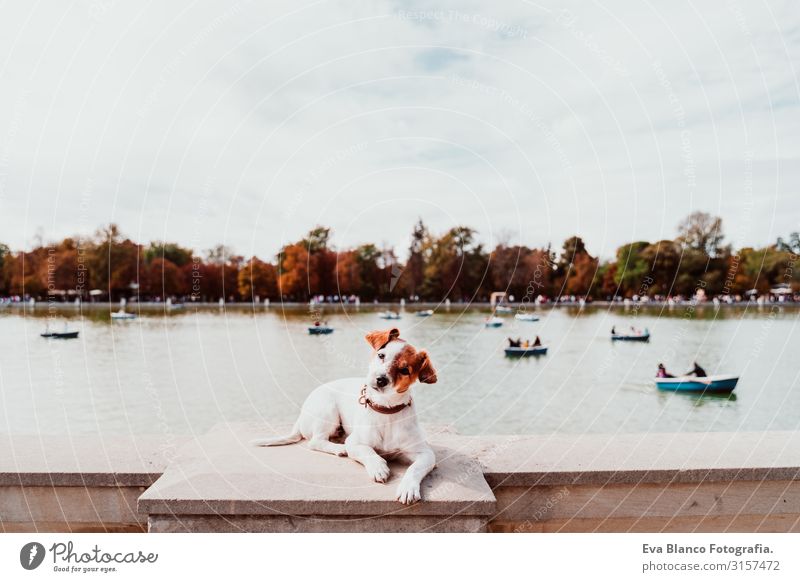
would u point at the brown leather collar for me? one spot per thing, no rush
(365, 401)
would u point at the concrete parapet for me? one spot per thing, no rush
(577, 483)
(220, 482)
(78, 483)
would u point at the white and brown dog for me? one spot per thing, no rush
(377, 415)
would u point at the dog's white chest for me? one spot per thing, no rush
(391, 434)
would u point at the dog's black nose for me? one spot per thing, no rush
(381, 381)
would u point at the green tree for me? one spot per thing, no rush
(4, 252)
(456, 266)
(632, 269)
(317, 239)
(663, 260)
(604, 282)
(172, 252)
(369, 270)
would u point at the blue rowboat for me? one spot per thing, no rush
(493, 322)
(710, 384)
(320, 330)
(525, 352)
(631, 337)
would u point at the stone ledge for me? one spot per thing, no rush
(516, 461)
(221, 475)
(314, 524)
(84, 461)
(70, 509)
(219, 482)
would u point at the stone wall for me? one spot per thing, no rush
(219, 482)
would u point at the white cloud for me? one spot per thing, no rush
(247, 123)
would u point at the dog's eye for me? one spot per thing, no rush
(404, 371)
(381, 356)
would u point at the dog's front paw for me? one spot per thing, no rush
(378, 470)
(408, 492)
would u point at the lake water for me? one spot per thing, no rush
(183, 373)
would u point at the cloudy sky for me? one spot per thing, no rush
(247, 123)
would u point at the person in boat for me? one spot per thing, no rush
(317, 323)
(537, 342)
(662, 372)
(697, 371)
(613, 330)
(526, 344)
(514, 343)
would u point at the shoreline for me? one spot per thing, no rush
(409, 307)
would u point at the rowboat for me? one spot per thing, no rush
(504, 309)
(526, 317)
(711, 384)
(631, 337)
(425, 313)
(493, 322)
(320, 330)
(524, 352)
(60, 334)
(389, 315)
(122, 315)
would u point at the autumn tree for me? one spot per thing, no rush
(258, 279)
(521, 271)
(348, 273)
(295, 278)
(162, 278)
(576, 268)
(308, 267)
(59, 270)
(26, 273)
(221, 273)
(113, 262)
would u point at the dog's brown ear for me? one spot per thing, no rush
(427, 373)
(381, 337)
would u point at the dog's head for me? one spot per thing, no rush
(396, 364)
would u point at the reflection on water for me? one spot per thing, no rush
(184, 371)
(700, 399)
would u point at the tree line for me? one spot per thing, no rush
(452, 265)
